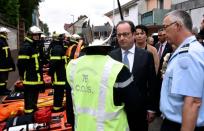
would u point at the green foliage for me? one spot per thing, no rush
(10, 11)
(46, 29)
(26, 9)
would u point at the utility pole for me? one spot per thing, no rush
(120, 10)
(73, 23)
(113, 12)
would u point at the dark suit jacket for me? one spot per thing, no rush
(142, 94)
(167, 49)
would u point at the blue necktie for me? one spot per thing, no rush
(125, 59)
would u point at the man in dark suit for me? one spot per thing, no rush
(163, 47)
(141, 64)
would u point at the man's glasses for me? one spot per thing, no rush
(162, 35)
(125, 34)
(166, 26)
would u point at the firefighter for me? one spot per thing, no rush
(30, 69)
(76, 45)
(67, 40)
(6, 61)
(58, 62)
(52, 44)
(41, 48)
(97, 86)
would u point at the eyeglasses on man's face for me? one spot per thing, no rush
(166, 26)
(124, 34)
(160, 35)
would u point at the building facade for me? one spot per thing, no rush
(75, 28)
(152, 12)
(194, 7)
(146, 12)
(129, 11)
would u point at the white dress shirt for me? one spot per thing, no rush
(130, 56)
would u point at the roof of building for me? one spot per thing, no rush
(125, 6)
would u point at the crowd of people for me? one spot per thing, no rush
(120, 88)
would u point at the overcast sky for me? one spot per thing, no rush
(57, 12)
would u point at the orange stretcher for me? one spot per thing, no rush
(12, 108)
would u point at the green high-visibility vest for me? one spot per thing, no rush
(92, 79)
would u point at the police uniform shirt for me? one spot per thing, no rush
(184, 77)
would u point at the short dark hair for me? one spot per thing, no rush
(143, 28)
(132, 26)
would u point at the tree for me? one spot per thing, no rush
(26, 9)
(10, 11)
(46, 29)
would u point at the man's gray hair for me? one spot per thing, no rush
(182, 16)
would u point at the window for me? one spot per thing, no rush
(126, 12)
(161, 4)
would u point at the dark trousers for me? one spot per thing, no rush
(69, 108)
(137, 120)
(168, 125)
(31, 93)
(3, 79)
(58, 95)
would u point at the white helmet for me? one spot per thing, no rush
(5, 30)
(35, 30)
(76, 36)
(97, 30)
(43, 36)
(67, 34)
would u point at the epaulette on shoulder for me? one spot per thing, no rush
(184, 49)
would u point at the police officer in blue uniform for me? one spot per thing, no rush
(182, 94)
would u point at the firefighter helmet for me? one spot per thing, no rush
(43, 36)
(67, 34)
(76, 36)
(55, 36)
(4, 30)
(35, 30)
(97, 30)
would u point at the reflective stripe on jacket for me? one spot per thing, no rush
(29, 64)
(92, 79)
(58, 63)
(6, 60)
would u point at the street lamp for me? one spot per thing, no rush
(72, 22)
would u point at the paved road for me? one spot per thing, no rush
(155, 125)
